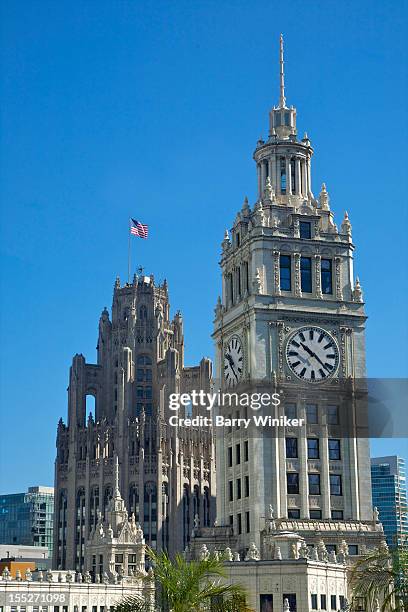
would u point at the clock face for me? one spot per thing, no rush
(312, 354)
(233, 361)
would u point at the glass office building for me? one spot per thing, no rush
(27, 518)
(390, 497)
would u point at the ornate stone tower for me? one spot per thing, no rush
(166, 473)
(292, 318)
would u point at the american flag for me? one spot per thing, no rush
(139, 229)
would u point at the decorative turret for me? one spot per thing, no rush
(324, 198)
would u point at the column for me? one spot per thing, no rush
(278, 175)
(298, 285)
(318, 284)
(273, 172)
(297, 176)
(288, 177)
(276, 272)
(263, 178)
(258, 171)
(309, 178)
(304, 179)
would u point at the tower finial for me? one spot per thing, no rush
(282, 99)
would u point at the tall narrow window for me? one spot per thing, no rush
(291, 448)
(306, 274)
(206, 507)
(326, 276)
(186, 515)
(292, 175)
(239, 281)
(314, 484)
(247, 522)
(283, 175)
(285, 273)
(305, 229)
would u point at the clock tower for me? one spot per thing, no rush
(291, 318)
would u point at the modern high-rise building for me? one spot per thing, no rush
(166, 473)
(27, 518)
(390, 497)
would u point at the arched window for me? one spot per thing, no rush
(186, 515)
(134, 502)
(196, 501)
(165, 515)
(62, 530)
(144, 384)
(150, 514)
(80, 529)
(93, 507)
(206, 507)
(107, 496)
(143, 313)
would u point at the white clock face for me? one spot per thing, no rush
(312, 354)
(233, 361)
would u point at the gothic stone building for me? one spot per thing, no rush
(166, 473)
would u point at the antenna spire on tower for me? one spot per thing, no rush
(282, 99)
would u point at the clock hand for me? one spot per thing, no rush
(312, 354)
(231, 362)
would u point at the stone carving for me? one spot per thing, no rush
(257, 282)
(346, 225)
(49, 576)
(298, 290)
(246, 211)
(236, 556)
(87, 577)
(332, 557)
(268, 194)
(226, 243)
(376, 515)
(339, 292)
(253, 553)
(322, 551)
(28, 575)
(204, 552)
(60, 578)
(286, 607)
(294, 552)
(68, 576)
(324, 199)
(218, 308)
(318, 263)
(105, 578)
(6, 574)
(228, 554)
(277, 553)
(357, 292)
(18, 575)
(304, 551)
(79, 577)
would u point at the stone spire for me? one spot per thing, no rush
(116, 491)
(282, 99)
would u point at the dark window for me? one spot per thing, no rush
(326, 276)
(287, 119)
(314, 601)
(313, 448)
(333, 602)
(285, 273)
(231, 490)
(293, 513)
(246, 486)
(239, 517)
(315, 514)
(292, 483)
(283, 175)
(323, 602)
(238, 488)
(277, 119)
(290, 411)
(353, 549)
(314, 484)
(331, 548)
(238, 454)
(292, 175)
(246, 450)
(305, 229)
(231, 520)
(291, 597)
(247, 522)
(291, 448)
(332, 415)
(337, 515)
(266, 603)
(342, 601)
(334, 449)
(306, 274)
(230, 456)
(311, 414)
(335, 484)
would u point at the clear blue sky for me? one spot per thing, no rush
(153, 109)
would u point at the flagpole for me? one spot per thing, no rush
(129, 252)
